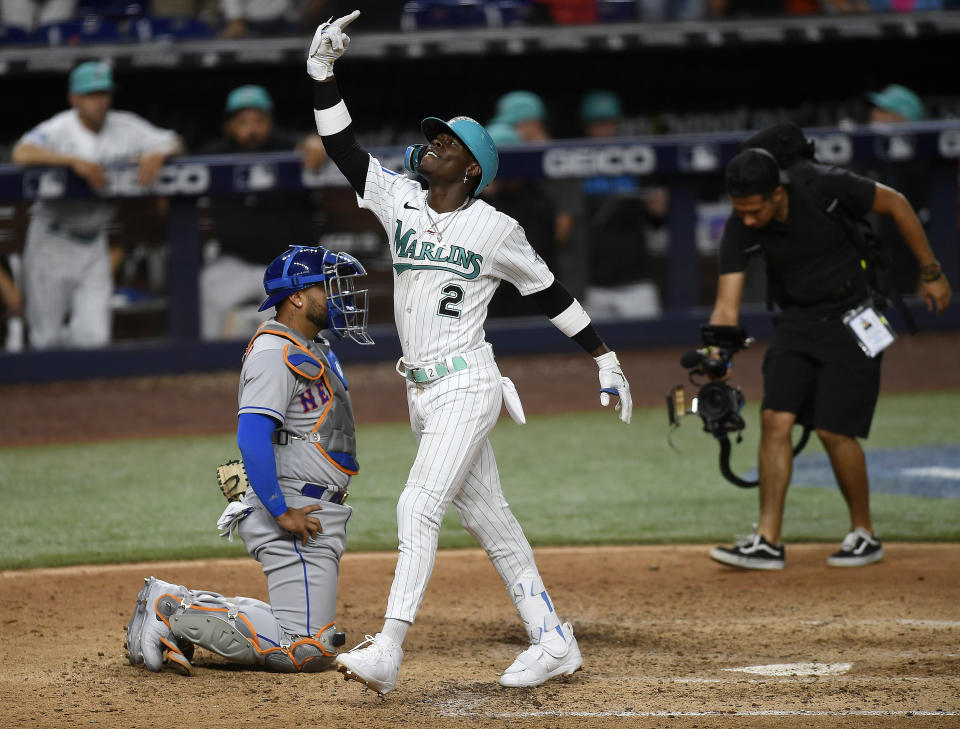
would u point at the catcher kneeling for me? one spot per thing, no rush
(296, 435)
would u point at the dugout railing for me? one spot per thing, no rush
(682, 163)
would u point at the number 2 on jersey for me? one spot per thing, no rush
(452, 298)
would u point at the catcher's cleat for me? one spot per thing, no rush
(135, 628)
(752, 553)
(536, 664)
(376, 666)
(149, 638)
(859, 549)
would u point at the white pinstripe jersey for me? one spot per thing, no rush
(444, 279)
(123, 138)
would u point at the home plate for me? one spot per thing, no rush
(796, 669)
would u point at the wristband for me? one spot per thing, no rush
(607, 359)
(931, 272)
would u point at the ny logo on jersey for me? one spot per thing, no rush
(309, 397)
(409, 247)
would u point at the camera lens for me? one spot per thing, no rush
(715, 401)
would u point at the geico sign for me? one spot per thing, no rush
(637, 159)
(188, 179)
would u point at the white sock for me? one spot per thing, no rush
(395, 630)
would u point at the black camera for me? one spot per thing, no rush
(717, 403)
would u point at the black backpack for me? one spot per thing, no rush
(786, 142)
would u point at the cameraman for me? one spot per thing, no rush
(814, 371)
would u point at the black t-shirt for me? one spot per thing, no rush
(254, 226)
(616, 216)
(813, 267)
(528, 203)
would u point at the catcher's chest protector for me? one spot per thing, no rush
(320, 415)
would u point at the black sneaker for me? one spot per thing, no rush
(859, 548)
(752, 553)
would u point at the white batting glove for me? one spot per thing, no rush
(329, 43)
(612, 382)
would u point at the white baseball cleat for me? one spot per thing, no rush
(149, 634)
(376, 666)
(536, 665)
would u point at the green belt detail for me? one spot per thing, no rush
(419, 374)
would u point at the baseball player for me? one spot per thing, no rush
(296, 434)
(66, 259)
(450, 252)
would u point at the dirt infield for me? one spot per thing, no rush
(663, 631)
(666, 633)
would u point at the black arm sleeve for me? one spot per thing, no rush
(349, 157)
(553, 301)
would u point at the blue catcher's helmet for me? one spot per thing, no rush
(300, 267)
(476, 139)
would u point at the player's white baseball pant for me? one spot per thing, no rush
(451, 419)
(65, 277)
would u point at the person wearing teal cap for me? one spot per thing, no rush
(231, 279)
(528, 202)
(67, 268)
(895, 104)
(527, 114)
(600, 113)
(619, 215)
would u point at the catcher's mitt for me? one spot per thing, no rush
(232, 477)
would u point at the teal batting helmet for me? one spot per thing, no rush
(476, 139)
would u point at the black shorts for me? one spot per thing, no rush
(817, 370)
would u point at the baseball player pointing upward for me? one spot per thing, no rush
(450, 252)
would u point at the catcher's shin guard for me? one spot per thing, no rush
(307, 654)
(209, 620)
(218, 624)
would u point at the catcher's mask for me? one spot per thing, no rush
(474, 137)
(300, 267)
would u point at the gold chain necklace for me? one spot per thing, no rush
(435, 223)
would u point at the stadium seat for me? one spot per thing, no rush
(10, 35)
(155, 29)
(90, 29)
(113, 9)
(434, 14)
(513, 12)
(616, 11)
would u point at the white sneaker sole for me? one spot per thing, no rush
(350, 674)
(747, 563)
(572, 664)
(856, 561)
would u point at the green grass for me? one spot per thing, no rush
(571, 479)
